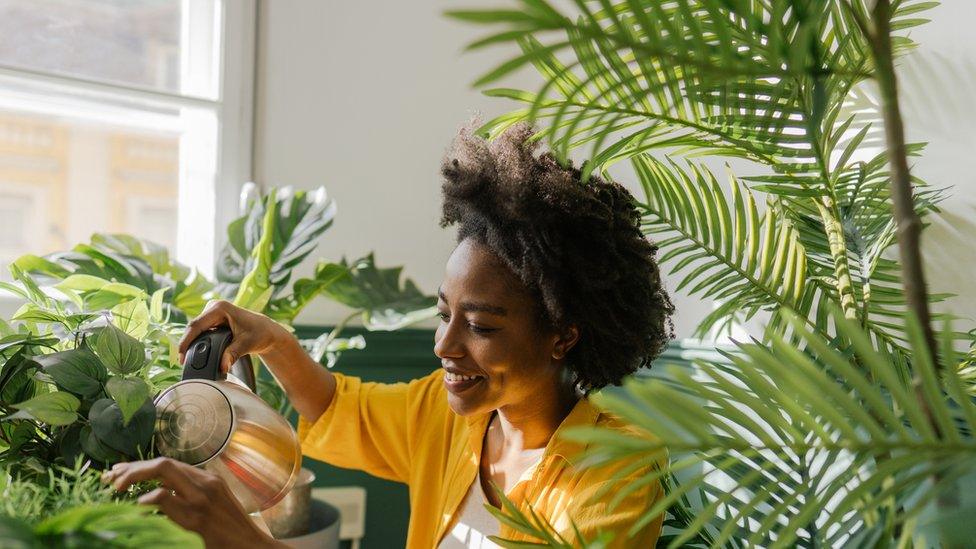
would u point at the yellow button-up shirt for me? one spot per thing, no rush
(406, 432)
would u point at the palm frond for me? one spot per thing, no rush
(725, 248)
(807, 446)
(862, 193)
(750, 79)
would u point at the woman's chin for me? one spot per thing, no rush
(464, 406)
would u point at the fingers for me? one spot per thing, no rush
(173, 474)
(195, 499)
(173, 506)
(235, 350)
(215, 314)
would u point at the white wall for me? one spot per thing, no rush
(364, 98)
(938, 89)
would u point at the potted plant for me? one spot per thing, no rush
(96, 338)
(850, 420)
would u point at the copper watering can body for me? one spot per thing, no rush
(222, 426)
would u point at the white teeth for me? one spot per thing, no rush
(455, 377)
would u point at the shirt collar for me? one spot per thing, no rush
(583, 414)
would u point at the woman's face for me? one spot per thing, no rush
(492, 350)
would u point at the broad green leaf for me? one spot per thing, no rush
(18, 433)
(129, 393)
(132, 317)
(17, 534)
(69, 443)
(192, 295)
(304, 290)
(110, 428)
(82, 283)
(17, 381)
(255, 289)
(32, 313)
(77, 370)
(121, 353)
(295, 220)
(97, 449)
(156, 255)
(156, 305)
(57, 408)
(34, 264)
(386, 304)
(112, 294)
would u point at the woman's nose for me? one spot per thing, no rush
(447, 344)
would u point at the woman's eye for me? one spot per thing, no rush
(480, 329)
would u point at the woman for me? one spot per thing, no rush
(551, 292)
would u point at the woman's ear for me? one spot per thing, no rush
(565, 342)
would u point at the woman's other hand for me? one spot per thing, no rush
(193, 498)
(253, 333)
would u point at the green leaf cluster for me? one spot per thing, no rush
(275, 233)
(71, 507)
(92, 399)
(95, 340)
(97, 332)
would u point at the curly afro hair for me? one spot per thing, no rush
(576, 246)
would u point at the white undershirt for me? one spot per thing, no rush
(474, 524)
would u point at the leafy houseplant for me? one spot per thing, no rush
(71, 507)
(96, 338)
(851, 420)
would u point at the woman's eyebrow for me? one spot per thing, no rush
(476, 307)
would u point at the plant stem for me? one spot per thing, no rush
(909, 223)
(341, 326)
(838, 251)
(907, 219)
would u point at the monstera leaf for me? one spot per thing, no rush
(296, 220)
(385, 304)
(114, 268)
(188, 290)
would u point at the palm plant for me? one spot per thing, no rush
(847, 418)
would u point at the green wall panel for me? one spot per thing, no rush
(389, 357)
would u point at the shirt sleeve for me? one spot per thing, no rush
(369, 426)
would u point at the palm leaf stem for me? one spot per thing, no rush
(827, 207)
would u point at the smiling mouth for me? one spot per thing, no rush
(457, 383)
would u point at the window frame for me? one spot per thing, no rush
(203, 213)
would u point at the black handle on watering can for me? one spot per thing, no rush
(203, 358)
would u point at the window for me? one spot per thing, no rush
(128, 116)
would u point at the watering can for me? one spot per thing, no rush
(215, 421)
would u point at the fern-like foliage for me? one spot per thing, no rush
(815, 434)
(766, 81)
(728, 251)
(794, 448)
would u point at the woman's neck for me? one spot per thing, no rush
(529, 425)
